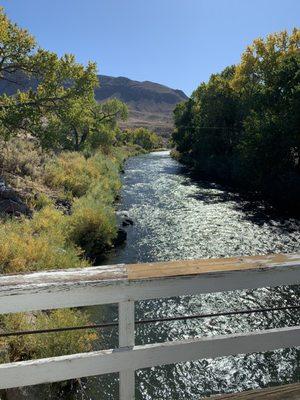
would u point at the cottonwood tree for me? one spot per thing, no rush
(44, 81)
(81, 122)
(243, 125)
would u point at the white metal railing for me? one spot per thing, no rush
(125, 284)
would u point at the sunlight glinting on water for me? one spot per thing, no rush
(176, 217)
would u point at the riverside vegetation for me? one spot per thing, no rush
(242, 127)
(60, 163)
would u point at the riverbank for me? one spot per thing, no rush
(70, 198)
(70, 220)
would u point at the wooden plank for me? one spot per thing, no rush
(104, 273)
(127, 385)
(126, 324)
(126, 340)
(196, 267)
(110, 284)
(108, 361)
(285, 392)
(108, 273)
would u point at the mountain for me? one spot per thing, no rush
(150, 104)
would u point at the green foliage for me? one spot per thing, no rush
(76, 174)
(41, 201)
(17, 43)
(81, 123)
(39, 243)
(72, 172)
(59, 107)
(95, 183)
(53, 240)
(93, 222)
(243, 125)
(142, 137)
(50, 344)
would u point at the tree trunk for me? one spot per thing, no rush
(76, 139)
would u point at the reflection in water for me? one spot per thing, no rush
(178, 218)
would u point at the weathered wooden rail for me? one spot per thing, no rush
(125, 284)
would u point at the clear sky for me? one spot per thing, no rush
(178, 43)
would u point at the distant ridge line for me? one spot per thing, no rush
(150, 104)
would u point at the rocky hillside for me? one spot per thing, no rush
(151, 104)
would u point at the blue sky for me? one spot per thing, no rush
(178, 43)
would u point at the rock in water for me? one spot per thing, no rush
(127, 222)
(121, 237)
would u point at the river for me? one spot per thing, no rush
(176, 217)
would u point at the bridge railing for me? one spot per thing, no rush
(125, 284)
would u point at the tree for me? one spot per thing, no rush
(146, 139)
(81, 121)
(243, 125)
(46, 81)
(207, 125)
(17, 46)
(268, 80)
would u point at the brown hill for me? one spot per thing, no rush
(151, 104)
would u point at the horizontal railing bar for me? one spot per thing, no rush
(59, 330)
(88, 292)
(212, 315)
(147, 321)
(62, 368)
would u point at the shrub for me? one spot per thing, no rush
(22, 156)
(95, 183)
(47, 344)
(41, 201)
(92, 224)
(76, 174)
(36, 244)
(72, 172)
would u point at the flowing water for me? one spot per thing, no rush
(176, 217)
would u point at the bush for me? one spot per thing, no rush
(41, 201)
(76, 174)
(95, 183)
(39, 243)
(52, 240)
(93, 222)
(47, 344)
(71, 172)
(23, 157)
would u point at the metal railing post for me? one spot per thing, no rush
(126, 339)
